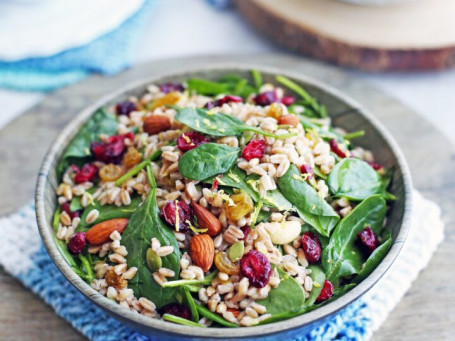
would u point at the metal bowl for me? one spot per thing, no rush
(345, 113)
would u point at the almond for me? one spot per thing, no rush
(292, 120)
(206, 220)
(202, 251)
(99, 233)
(155, 124)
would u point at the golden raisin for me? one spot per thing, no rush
(224, 264)
(276, 110)
(243, 206)
(170, 98)
(110, 172)
(132, 157)
(114, 280)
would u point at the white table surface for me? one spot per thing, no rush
(190, 27)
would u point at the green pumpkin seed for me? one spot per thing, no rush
(236, 251)
(154, 262)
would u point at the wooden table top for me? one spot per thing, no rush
(426, 312)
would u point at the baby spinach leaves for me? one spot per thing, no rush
(310, 206)
(287, 296)
(144, 225)
(207, 160)
(102, 122)
(354, 179)
(218, 124)
(341, 257)
(373, 261)
(228, 85)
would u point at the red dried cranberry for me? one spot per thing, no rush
(326, 292)
(246, 231)
(288, 100)
(171, 87)
(368, 239)
(130, 136)
(209, 105)
(375, 166)
(336, 149)
(254, 149)
(66, 208)
(311, 247)
(223, 100)
(173, 208)
(76, 243)
(307, 169)
(216, 182)
(125, 108)
(190, 140)
(256, 267)
(266, 98)
(87, 173)
(110, 151)
(177, 310)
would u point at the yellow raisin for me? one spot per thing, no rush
(224, 264)
(110, 172)
(114, 280)
(170, 98)
(276, 110)
(132, 157)
(243, 206)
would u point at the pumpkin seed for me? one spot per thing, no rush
(154, 262)
(236, 251)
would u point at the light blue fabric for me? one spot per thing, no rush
(108, 54)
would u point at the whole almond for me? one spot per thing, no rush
(292, 120)
(206, 220)
(99, 233)
(155, 124)
(202, 251)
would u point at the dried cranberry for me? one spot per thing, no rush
(177, 310)
(125, 108)
(223, 100)
(266, 98)
(66, 208)
(110, 151)
(336, 149)
(246, 231)
(326, 292)
(256, 267)
(311, 247)
(216, 182)
(171, 87)
(254, 149)
(190, 140)
(209, 105)
(87, 173)
(76, 243)
(307, 169)
(375, 166)
(174, 209)
(288, 100)
(368, 239)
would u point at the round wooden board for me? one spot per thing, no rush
(427, 311)
(410, 36)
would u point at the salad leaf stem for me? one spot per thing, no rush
(136, 169)
(179, 320)
(257, 78)
(206, 281)
(214, 317)
(354, 135)
(87, 267)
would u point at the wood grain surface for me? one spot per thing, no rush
(426, 313)
(409, 36)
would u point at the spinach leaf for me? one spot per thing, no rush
(189, 302)
(206, 87)
(287, 296)
(263, 216)
(341, 257)
(144, 225)
(318, 277)
(207, 160)
(235, 178)
(354, 179)
(107, 212)
(218, 124)
(373, 261)
(310, 206)
(102, 122)
(277, 200)
(214, 317)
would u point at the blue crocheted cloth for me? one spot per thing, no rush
(108, 54)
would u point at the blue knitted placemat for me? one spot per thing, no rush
(24, 257)
(108, 54)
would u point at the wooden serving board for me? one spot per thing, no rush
(416, 35)
(426, 313)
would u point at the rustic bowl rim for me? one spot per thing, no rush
(149, 324)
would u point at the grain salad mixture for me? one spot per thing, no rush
(220, 203)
